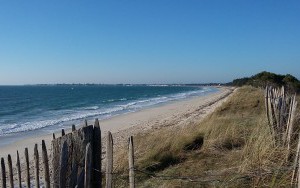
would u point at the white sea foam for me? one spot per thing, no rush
(114, 100)
(91, 108)
(157, 85)
(38, 124)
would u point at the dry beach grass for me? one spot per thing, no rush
(231, 147)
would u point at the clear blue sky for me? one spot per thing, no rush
(146, 41)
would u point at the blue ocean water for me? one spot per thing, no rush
(47, 108)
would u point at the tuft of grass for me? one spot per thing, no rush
(164, 148)
(232, 143)
(164, 160)
(196, 143)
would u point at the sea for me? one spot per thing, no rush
(40, 109)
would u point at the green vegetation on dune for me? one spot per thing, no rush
(264, 79)
(232, 147)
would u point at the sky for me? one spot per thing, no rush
(146, 41)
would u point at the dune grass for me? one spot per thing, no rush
(232, 147)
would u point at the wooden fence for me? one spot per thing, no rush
(27, 178)
(281, 111)
(76, 162)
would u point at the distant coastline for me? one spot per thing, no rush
(120, 84)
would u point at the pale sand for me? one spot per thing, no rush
(178, 113)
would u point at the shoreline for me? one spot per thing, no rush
(122, 126)
(40, 126)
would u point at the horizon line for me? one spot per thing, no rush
(167, 84)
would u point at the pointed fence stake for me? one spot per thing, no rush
(97, 148)
(63, 132)
(109, 160)
(63, 165)
(46, 165)
(3, 173)
(36, 167)
(19, 170)
(73, 128)
(10, 171)
(131, 162)
(27, 168)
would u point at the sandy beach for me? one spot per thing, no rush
(179, 113)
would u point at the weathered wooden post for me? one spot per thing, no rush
(10, 171)
(131, 162)
(85, 123)
(46, 165)
(88, 166)
(109, 160)
(55, 161)
(36, 167)
(27, 168)
(63, 165)
(291, 120)
(97, 148)
(73, 128)
(53, 136)
(19, 170)
(267, 104)
(3, 173)
(63, 132)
